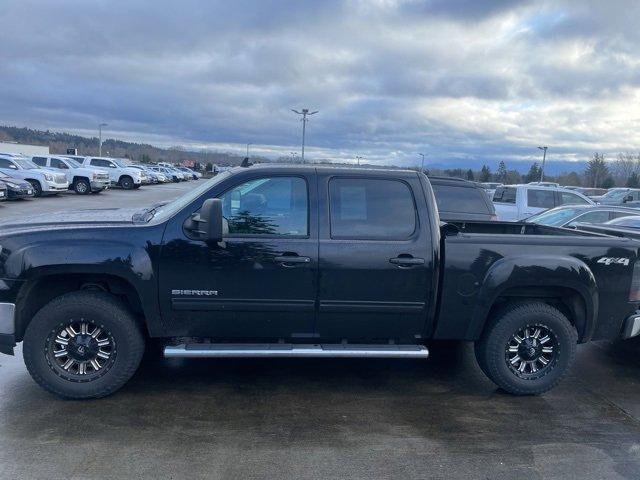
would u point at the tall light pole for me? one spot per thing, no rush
(422, 164)
(305, 113)
(248, 149)
(100, 138)
(544, 157)
(358, 158)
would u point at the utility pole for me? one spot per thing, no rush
(248, 149)
(100, 138)
(305, 113)
(422, 164)
(544, 157)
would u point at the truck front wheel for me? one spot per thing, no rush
(83, 345)
(527, 348)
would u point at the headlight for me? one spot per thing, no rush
(48, 177)
(12, 185)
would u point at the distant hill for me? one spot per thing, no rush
(58, 142)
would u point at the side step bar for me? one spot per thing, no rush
(285, 350)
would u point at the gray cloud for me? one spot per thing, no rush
(479, 80)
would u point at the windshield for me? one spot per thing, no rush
(26, 163)
(73, 163)
(554, 218)
(164, 212)
(615, 194)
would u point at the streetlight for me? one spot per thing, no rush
(422, 164)
(305, 113)
(358, 158)
(544, 157)
(100, 138)
(248, 149)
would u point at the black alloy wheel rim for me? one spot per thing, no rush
(80, 350)
(532, 352)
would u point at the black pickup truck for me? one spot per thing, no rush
(303, 261)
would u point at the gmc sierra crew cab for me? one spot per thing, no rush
(305, 261)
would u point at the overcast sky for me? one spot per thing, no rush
(455, 79)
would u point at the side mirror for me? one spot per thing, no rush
(207, 225)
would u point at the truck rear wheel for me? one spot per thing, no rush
(83, 345)
(528, 348)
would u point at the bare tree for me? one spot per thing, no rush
(626, 164)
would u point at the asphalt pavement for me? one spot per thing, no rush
(321, 418)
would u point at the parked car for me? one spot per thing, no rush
(620, 196)
(15, 187)
(3, 192)
(82, 180)
(151, 175)
(588, 192)
(169, 173)
(490, 187)
(460, 200)
(43, 182)
(194, 175)
(305, 261)
(120, 174)
(571, 215)
(517, 202)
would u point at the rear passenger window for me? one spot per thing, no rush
(363, 208)
(505, 195)
(450, 198)
(541, 198)
(41, 161)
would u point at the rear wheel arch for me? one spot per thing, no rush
(38, 292)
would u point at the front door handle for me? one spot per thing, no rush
(407, 261)
(290, 260)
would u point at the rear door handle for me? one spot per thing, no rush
(287, 260)
(406, 261)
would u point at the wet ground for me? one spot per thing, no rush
(315, 418)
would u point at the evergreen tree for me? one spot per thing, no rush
(470, 176)
(633, 181)
(501, 176)
(485, 174)
(597, 172)
(534, 173)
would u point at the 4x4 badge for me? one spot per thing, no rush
(610, 260)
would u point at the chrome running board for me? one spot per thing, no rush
(286, 350)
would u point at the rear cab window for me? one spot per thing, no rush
(451, 198)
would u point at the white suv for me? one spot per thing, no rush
(82, 180)
(44, 181)
(120, 173)
(517, 202)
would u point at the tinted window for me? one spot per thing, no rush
(450, 198)
(40, 161)
(57, 163)
(505, 195)
(592, 217)
(620, 214)
(540, 198)
(371, 209)
(567, 198)
(4, 163)
(267, 206)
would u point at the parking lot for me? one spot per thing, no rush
(277, 418)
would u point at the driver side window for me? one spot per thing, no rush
(267, 206)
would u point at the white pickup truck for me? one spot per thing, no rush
(44, 181)
(120, 174)
(82, 180)
(517, 202)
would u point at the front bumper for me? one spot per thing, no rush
(53, 187)
(100, 184)
(3, 195)
(7, 328)
(631, 326)
(22, 192)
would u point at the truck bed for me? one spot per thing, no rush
(510, 228)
